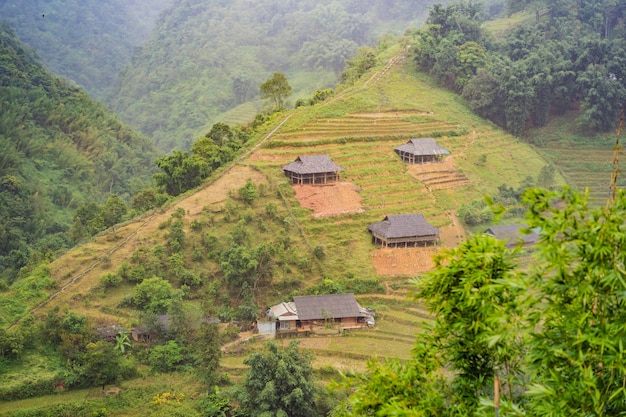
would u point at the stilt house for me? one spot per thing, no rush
(404, 230)
(421, 151)
(312, 169)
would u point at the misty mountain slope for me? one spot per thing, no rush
(205, 58)
(86, 41)
(59, 149)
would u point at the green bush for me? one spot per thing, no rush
(58, 410)
(27, 389)
(110, 280)
(165, 358)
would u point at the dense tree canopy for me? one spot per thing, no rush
(561, 61)
(60, 150)
(279, 383)
(86, 41)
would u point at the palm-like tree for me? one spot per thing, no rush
(122, 341)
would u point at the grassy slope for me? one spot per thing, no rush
(406, 104)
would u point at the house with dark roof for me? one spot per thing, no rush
(312, 313)
(514, 235)
(404, 230)
(421, 151)
(312, 169)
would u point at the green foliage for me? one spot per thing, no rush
(153, 295)
(181, 172)
(276, 88)
(60, 151)
(537, 69)
(475, 213)
(110, 280)
(248, 193)
(355, 67)
(165, 358)
(465, 294)
(65, 36)
(235, 48)
(550, 327)
(101, 363)
(279, 383)
(208, 353)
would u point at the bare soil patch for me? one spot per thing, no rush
(329, 200)
(403, 261)
(391, 262)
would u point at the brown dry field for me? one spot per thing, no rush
(391, 262)
(329, 200)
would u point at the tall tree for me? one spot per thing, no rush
(276, 88)
(279, 383)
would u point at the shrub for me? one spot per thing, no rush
(165, 358)
(154, 295)
(110, 280)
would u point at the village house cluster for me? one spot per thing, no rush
(340, 312)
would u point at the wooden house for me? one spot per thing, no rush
(307, 314)
(513, 235)
(312, 169)
(421, 151)
(404, 230)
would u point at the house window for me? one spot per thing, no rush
(284, 325)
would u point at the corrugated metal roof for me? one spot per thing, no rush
(423, 147)
(403, 225)
(312, 164)
(284, 311)
(319, 307)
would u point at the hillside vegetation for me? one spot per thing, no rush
(60, 151)
(87, 42)
(205, 58)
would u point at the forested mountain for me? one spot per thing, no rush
(87, 41)
(569, 55)
(206, 57)
(60, 150)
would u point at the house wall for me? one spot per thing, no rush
(266, 327)
(405, 242)
(317, 178)
(410, 158)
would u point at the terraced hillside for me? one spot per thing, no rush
(359, 131)
(584, 169)
(586, 161)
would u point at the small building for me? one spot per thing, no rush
(284, 318)
(404, 230)
(312, 169)
(421, 151)
(109, 333)
(312, 313)
(334, 310)
(513, 235)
